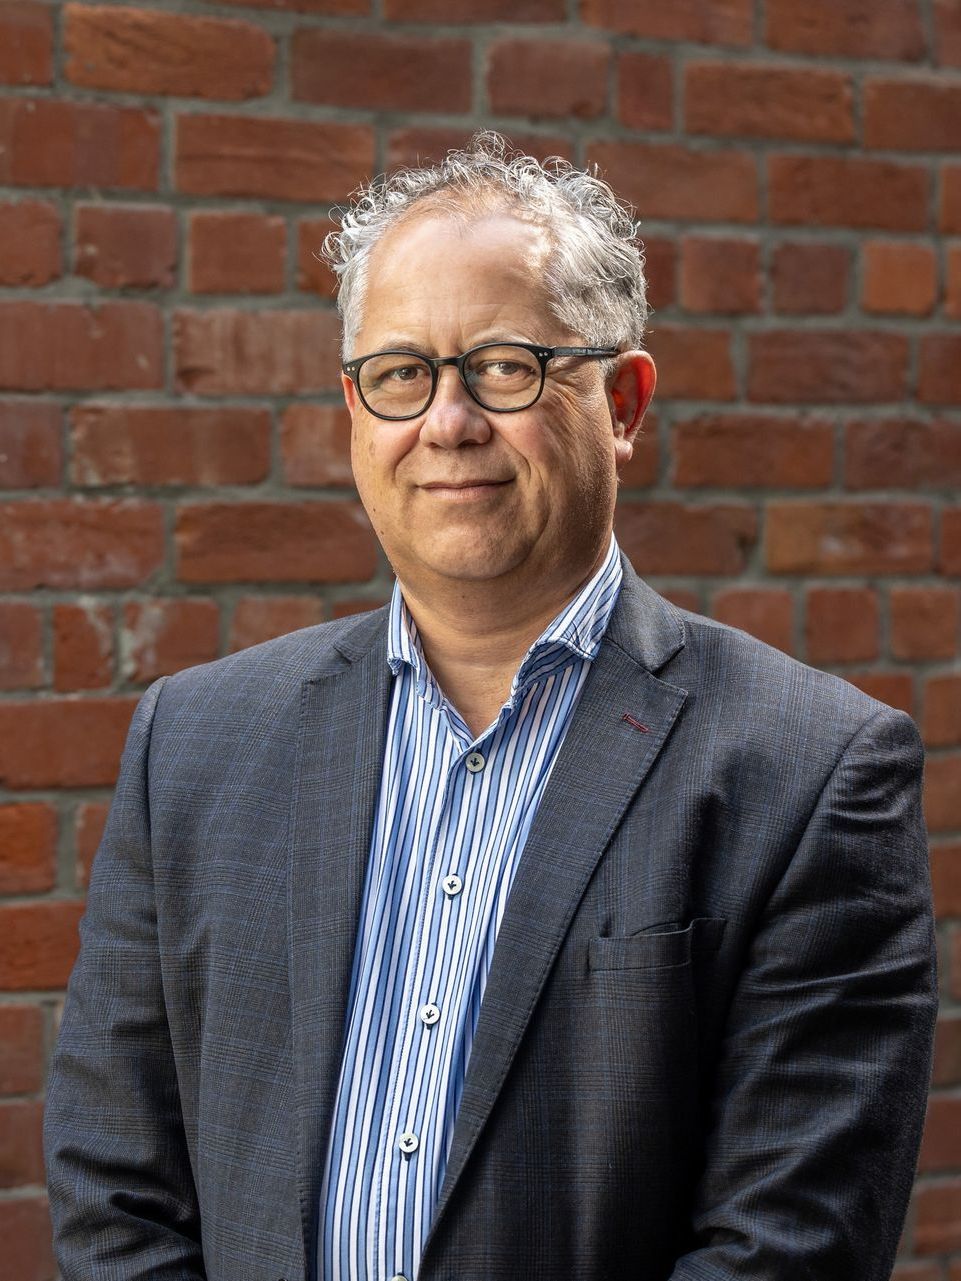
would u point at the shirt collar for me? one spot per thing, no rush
(577, 630)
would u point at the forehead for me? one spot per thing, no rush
(435, 269)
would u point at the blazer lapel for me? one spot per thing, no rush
(603, 761)
(338, 771)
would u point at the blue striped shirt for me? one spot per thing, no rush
(452, 818)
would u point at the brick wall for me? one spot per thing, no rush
(174, 458)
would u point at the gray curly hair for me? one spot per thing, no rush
(595, 273)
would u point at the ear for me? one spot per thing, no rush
(350, 394)
(630, 394)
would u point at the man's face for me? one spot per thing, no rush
(461, 492)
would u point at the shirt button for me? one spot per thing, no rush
(429, 1014)
(408, 1142)
(452, 884)
(475, 762)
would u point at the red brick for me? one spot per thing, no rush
(937, 1224)
(720, 275)
(46, 143)
(946, 883)
(30, 451)
(548, 78)
(666, 180)
(90, 820)
(660, 267)
(82, 646)
(913, 114)
(810, 279)
(26, 44)
(848, 538)
(848, 28)
(465, 11)
(261, 618)
(829, 365)
(847, 191)
(947, 1053)
(122, 248)
(347, 608)
(315, 445)
(738, 450)
(724, 22)
(28, 850)
(166, 445)
(764, 612)
(169, 445)
(693, 364)
(161, 637)
(21, 1052)
(29, 241)
(252, 353)
(758, 101)
(841, 625)
(38, 946)
(950, 559)
(941, 725)
(942, 793)
(950, 210)
(947, 33)
(669, 538)
(894, 688)
(941, 1146)
(335, 7)
(912, 454)
(63, 742)
(314, 276)
(952, 287)
(148, 51)
(21, 641)
(237, 253)
(323, 542)
(370, 70)
(275, 159)
(925, 622)
(67, 346)
(899, 278)
(642, 468)
(79, 544)
(424, 145)
(645, 91)
(939, 373)
(21, 1153)
(918, 1272)
(28, 1239)
(954, 963)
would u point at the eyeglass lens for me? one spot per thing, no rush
(398, 384)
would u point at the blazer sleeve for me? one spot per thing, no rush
(122, 1193)
(819, 1096)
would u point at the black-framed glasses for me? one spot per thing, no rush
(502, 377)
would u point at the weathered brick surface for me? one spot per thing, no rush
(26, 43)
(29, 243)
(175, 460)
(149, 51)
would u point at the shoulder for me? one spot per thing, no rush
(269, 675)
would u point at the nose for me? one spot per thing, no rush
(453, 417)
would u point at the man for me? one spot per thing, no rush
(531, 927)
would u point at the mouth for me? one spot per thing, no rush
(465, 489)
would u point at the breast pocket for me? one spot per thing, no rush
(664, 949)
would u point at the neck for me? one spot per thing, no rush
(475, 637)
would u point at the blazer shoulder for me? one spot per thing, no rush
(274, 671)
(723, 661)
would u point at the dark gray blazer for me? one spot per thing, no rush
(704, 1046)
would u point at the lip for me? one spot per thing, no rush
(464, 489)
